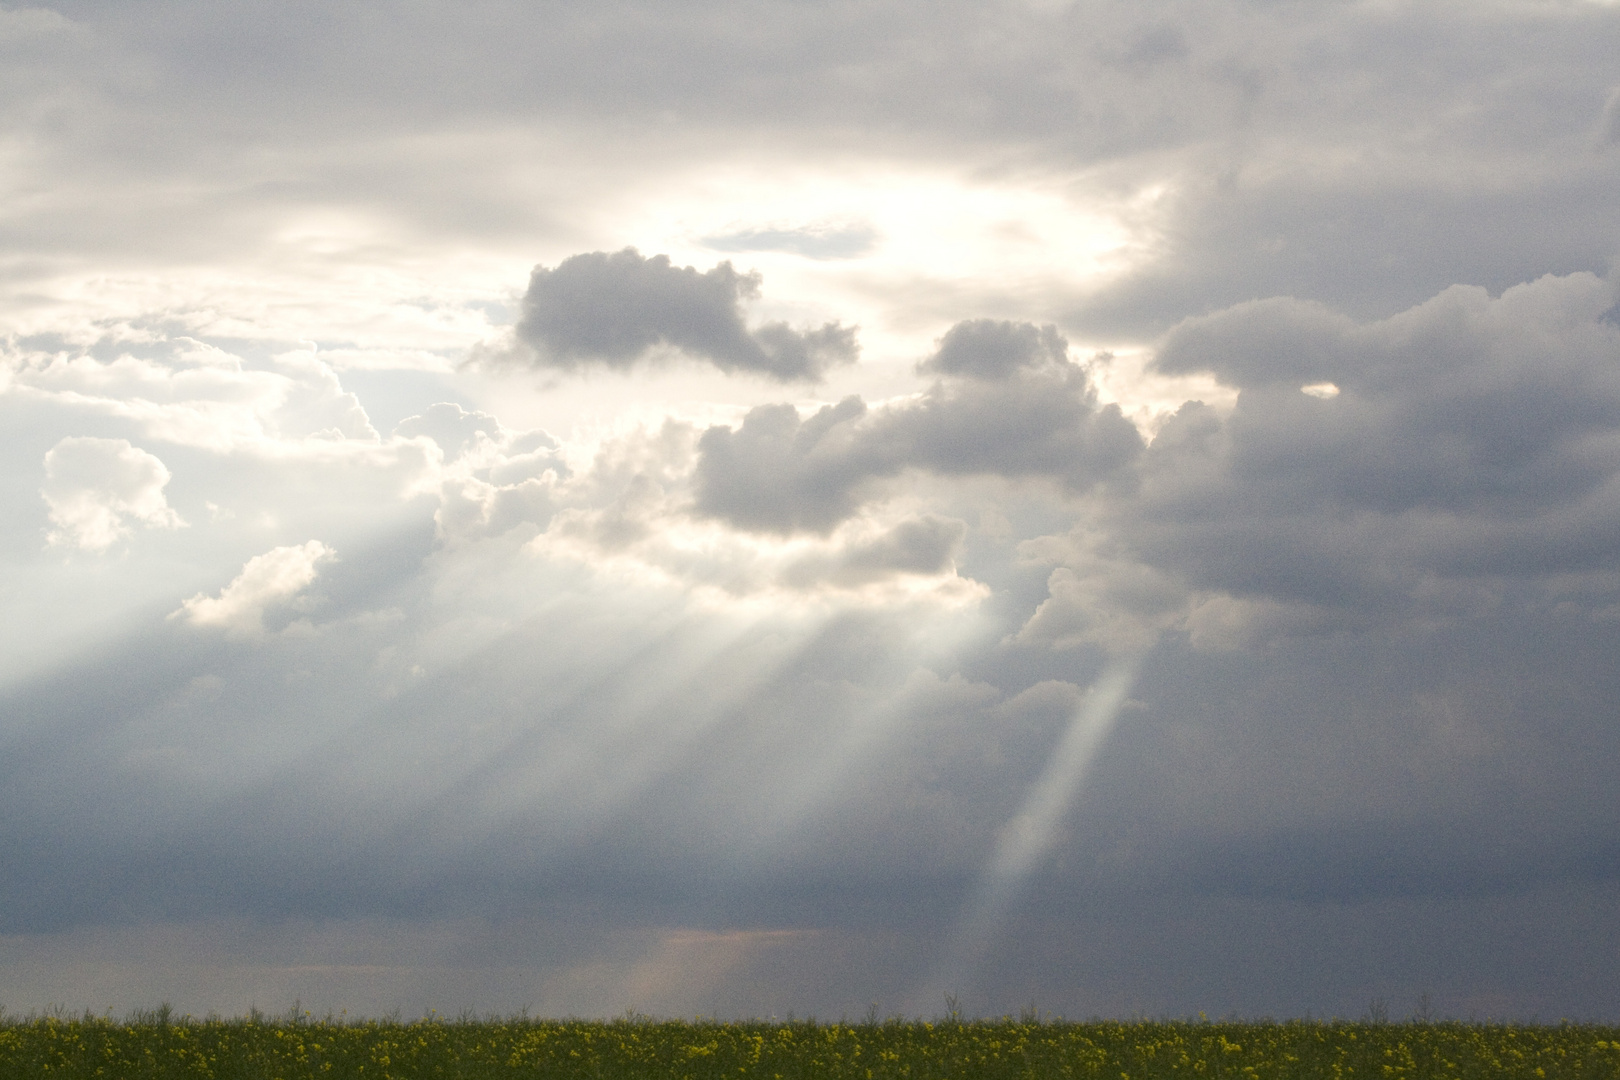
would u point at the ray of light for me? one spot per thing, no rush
(1024, 841)
(822, 768)
(609, 734)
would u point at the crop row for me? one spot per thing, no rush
(162, 1046)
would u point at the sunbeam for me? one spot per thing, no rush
(1024, 841)
(820, 767)
(598, 738)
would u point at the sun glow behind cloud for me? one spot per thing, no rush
(1011, 240)
(920, 223)
(900, 251)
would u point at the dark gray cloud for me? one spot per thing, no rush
(1368, 245)
(1470, 439)
(777, 472)
(614, 309)
(988, 349)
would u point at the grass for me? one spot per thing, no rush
(160, 1045)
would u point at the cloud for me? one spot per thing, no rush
(926, 546)
(1113, 604)
(1474, 439)
(273, 578)
(614, 310)
(987, 349)
(849, 241)
(778, 472)
(453, 429)
(98, 490)
(1280, 339)
(187, 392)
(632, 511)
(493, 480)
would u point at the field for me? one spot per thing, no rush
(159, 1045)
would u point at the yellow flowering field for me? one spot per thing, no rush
(159, 1045)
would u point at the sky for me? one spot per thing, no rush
(744, 508)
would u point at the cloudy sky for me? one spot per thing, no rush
(740, 507)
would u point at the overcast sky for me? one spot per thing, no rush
(743, 507)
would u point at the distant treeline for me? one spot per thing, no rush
(159, 1044)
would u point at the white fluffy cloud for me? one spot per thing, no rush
(100, 490)
(275, 577)
(194, 394)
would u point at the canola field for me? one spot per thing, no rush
(160, 1046)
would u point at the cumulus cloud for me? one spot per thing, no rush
(926, 546)
(628, 687)
(778, 472)
(273, 578)
(492, 479)
(453, 429)
(1473, 438)
(309, 400)
(191, 393)
(988, 349)
(615, 309)
(632, 511)
(99, 490)
(1263, 341)
(1114, 604)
